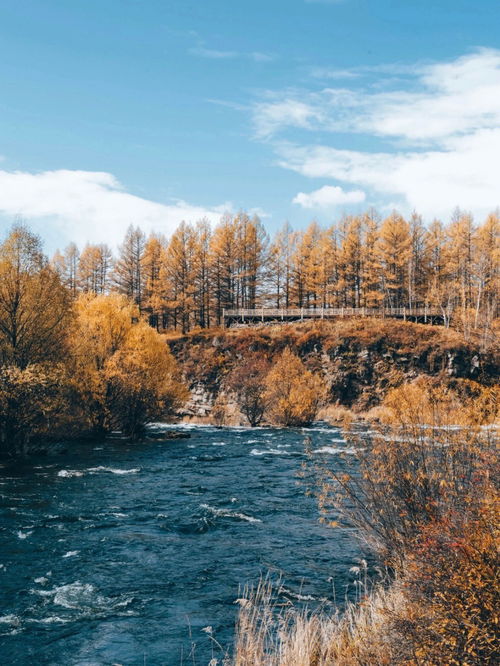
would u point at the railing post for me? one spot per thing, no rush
(262, 314)
(301, 314)
(404, 313)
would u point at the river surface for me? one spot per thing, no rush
(116, 553)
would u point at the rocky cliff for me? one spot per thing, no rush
(359, 359)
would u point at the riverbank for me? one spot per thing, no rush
(360, 360)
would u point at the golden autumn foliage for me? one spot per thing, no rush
(428, 401)
(186, 281)
(122, 367)
(143, 380)
(33, 401)
(293, 393)
(34, 305)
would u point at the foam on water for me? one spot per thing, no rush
(334, 450)
(24, 535)
(265, 452)
(13, 620)
(112, 470)
(81, 596)
(69, 473)
(226, 513)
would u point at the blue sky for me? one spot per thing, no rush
(153, 111)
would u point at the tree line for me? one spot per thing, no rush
(187, 280)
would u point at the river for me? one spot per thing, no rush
(119, 553)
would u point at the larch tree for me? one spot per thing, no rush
(201, 273)
(370, 265)
(176, 275)
(393, 250)
(487, 268)
(128, 275)
(438, 293)
(460, 250)
(223, 253)
(280, 266)
(94, 269)
(34, 304)
(306, 260)
(418, 263)
(66, 265)
(350, 257)
(151, 268)
(327, 267)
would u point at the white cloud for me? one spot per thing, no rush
(439, 131)
(88, 206)
(433, 182)
(271, 117)
(328, 196)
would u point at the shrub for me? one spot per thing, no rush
(294, 394)
(33, 402)
(248, 382)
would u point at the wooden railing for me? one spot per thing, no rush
(324, 313)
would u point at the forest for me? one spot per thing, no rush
(185, 281)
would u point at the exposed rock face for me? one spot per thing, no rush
(359, 359)
(200, 403)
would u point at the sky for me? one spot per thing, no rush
(149, 112)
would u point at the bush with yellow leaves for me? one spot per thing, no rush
(124, 371)
(293, 394)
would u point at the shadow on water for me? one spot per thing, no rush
(126, 553)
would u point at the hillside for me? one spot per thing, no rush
(360, 359)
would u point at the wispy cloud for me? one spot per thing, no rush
(439, 131)
(203, 51)
(89, 206)
(214, 54)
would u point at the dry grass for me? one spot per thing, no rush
(335, 414)
(269, 635)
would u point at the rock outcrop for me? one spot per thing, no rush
(359, 359)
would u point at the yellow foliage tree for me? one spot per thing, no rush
(144, 382)
(33, 303)
(293, 393)
(123, 369)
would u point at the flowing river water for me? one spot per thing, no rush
(120, 553)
